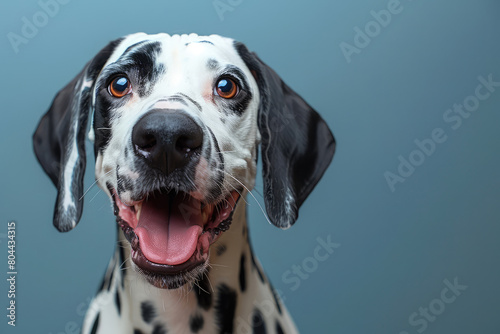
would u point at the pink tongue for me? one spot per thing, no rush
(168, 229)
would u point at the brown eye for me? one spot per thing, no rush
(226, 88)
(120, 86)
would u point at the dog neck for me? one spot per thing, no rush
(234, 295)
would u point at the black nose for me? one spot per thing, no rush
(167, 139)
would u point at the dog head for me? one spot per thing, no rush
(176, 123)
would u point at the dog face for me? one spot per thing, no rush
(176, 125)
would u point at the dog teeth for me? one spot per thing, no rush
(138, 208)
(206, 212)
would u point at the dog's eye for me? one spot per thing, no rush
(226, 88)
(120, 86)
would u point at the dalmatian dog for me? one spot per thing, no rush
(176, 123)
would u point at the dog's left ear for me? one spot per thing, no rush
(297, 145)
(59, 140)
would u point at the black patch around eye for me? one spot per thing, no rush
(143, 59)
(139, 63)
(239, 103)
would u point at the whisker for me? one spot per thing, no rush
(93, 184)
(218, 265)
(97, 193)
(260, 206)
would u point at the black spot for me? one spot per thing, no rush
(110, 279)
(258, 323)
(276, 300)
(148, 312)
(221, 249)
(118, 302)
(256, 265)
(96, 324)
(261, 276)
(159, 329)
(279, 330)
(137, 331)
(243, 273)
(196, 323)
(225, 309)
(202, 291)
(101, 286)
(212, 64)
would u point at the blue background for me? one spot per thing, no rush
(396, 247)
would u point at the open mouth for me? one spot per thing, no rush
(170, 232)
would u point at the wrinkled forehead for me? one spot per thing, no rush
(176, 52)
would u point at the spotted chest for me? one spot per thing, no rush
(235, 296)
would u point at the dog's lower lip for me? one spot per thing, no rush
(163, 269)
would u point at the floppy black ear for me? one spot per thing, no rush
(59, 140)
(297, 145)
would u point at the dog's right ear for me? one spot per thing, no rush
(59, 140)
(296, 143)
